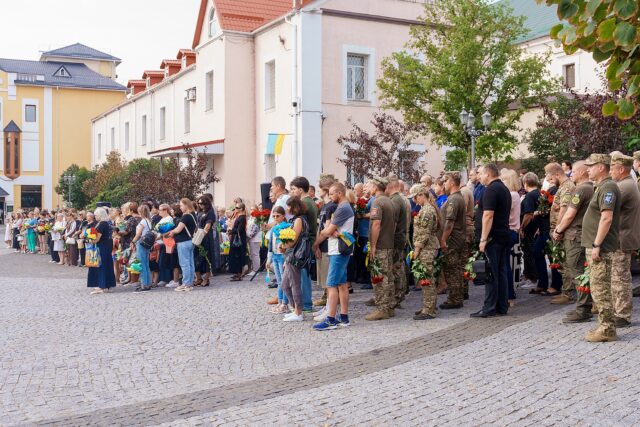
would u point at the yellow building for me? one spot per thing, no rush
(46, 108)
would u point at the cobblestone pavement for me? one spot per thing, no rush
(215, 356)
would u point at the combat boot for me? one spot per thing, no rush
(562, 300)
(450, 306)
(621, 323)
(422, 316)
(598, 335)
(377, 315)
(370, 302)
(575, 317)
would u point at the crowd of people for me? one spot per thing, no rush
(502, 229)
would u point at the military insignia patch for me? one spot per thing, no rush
(576, 199)
(608, 197)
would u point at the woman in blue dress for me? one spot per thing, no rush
(103, 277)
(32, 223)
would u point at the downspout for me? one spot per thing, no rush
(295, 101)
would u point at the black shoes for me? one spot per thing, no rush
(449, 306)
(422, 316)
(482, 314)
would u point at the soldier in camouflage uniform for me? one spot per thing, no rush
(600, 227)
(381, 242)
(555, 174)
(467, 195)
(629, 238)
(425, 240)
(402, 221)
(453, 241)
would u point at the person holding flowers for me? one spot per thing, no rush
(102, 277)
(208, 222)
(142, 252)
(59, 227)
(275, 258)
(426, 228)
(182, 234)
(31, 225)
(41, 233)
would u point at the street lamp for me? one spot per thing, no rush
(69, 180)
(468, 121)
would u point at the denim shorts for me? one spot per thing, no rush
(337, 270)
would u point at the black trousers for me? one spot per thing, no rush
(496, 290)
(359, 257)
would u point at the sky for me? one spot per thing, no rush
(140, 32)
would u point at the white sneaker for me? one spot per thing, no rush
(526, 285)
(319, 312)
(162, 284)
(172, 284)
(293, 317)
(322, 314)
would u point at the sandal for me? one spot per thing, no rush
(550, 294)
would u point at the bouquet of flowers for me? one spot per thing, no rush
(40, 226)
(122, 225)
(165, 225)
(437, 265)
(224, 247)
(135, 266)
(24, 227)
(419, 271)
(377, 275)
(287, 235)
(47, 227)
(91, 234)
(361, 206)
(556, 254)
(583, 280)
(58, 229)
(544, 202)
(261, 215)
(469, 274)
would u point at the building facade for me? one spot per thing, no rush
(266, 89)
(46, 108)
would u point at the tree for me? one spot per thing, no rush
(109, 182)
(609, 30)
(572, 126)
(384, 152)
(465, 56)
(74, 193)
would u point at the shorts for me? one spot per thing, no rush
(337, 270)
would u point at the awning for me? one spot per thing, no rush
(3, 193)
(208, 147)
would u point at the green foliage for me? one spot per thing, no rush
(472, 62)
(609, 30)
(74, 194)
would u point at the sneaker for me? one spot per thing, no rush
(342, 323)
(140, 289)
(179, 288)
(325, 325)
(293, 317)
(172, 284)
(320, 315)
(526, 285)
(162, 284)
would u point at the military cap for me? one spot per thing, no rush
(617, 158)
(636, 155)
(327, 176)
(418, 189)
(379, 180)
(594, 159)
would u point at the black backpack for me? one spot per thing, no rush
(300, 257)
(148, 239)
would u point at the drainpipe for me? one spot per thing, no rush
(295, 101)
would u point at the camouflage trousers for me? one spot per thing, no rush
(385, 291)
(399, 275)
(429, 294)
(600, 283)
(453, 268)
(572, 267)
(621, 290)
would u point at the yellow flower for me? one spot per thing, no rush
(287, 235)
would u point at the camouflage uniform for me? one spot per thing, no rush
(425, 238)
(455, 256)
(467, 194)
(600, 279)
(621, 289)
(562, 200)
(403, 217)
(384, 291)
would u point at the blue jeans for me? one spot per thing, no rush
(143, 257)
(187, 265)
(540, 260)
(278, 264)
(514, 241)
(305, 280)
(495, 291)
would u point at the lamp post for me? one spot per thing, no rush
(468, 121)
(69, 180)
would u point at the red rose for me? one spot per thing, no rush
(424, 282)
(376, 279)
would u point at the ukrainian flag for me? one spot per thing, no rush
(275, 143)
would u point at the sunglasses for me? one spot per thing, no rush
(201, 204)
(238, 208)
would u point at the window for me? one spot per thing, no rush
(187, 116)
(30, 113)
(356, 77)
(126, 136)
(143, 125)
(163, 123)
(569, 72)
(31, 196)
(352, 178)
(99, 145)
(12, 155)
(270, 85)
(212, 23)
(113, 139)
(62, 72)
(209, 91)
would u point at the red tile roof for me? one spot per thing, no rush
(166, 62)
(136, 83)
(244, 15)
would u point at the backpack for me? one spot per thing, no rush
(148, 239)
(300, 256)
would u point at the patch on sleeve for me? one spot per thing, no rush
(575, 200)
(608, 197)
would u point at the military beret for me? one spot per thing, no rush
(636, 155)
(594, 159)
(617, 158)
(379, 180)
(418, 189)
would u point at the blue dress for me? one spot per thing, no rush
(103, 277)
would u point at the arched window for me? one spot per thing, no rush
(12, 151)
(213, 27)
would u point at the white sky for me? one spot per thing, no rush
(140, 32)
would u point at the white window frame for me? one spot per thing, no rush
(208, 85)
(270, 71)
(126, 136)
(564, 75)
(35, 114)
(163, 123)
(143, 130)
(370, 73)
(187, 115)
(212, 27)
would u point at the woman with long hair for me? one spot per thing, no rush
(208, 222)
(183, 233)
(238, 243)
(275, 258)
(292, 280)
(70, 240)
(142, 253)
(102, 277)
(510, 178)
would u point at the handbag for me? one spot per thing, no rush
(301, 255)
(198, 236)
(155, 253)
(92, 257)
(80, 244)
(237, 241)
(70, 241)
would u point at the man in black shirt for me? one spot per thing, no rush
(495, 240)
(529, 226)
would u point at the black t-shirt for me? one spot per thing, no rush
(189, 224)
(104, 229)
(155, 220)
(528, 206)
(325, 214)
(497, 198)
(205, 218)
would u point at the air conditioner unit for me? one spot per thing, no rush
(191, 94)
